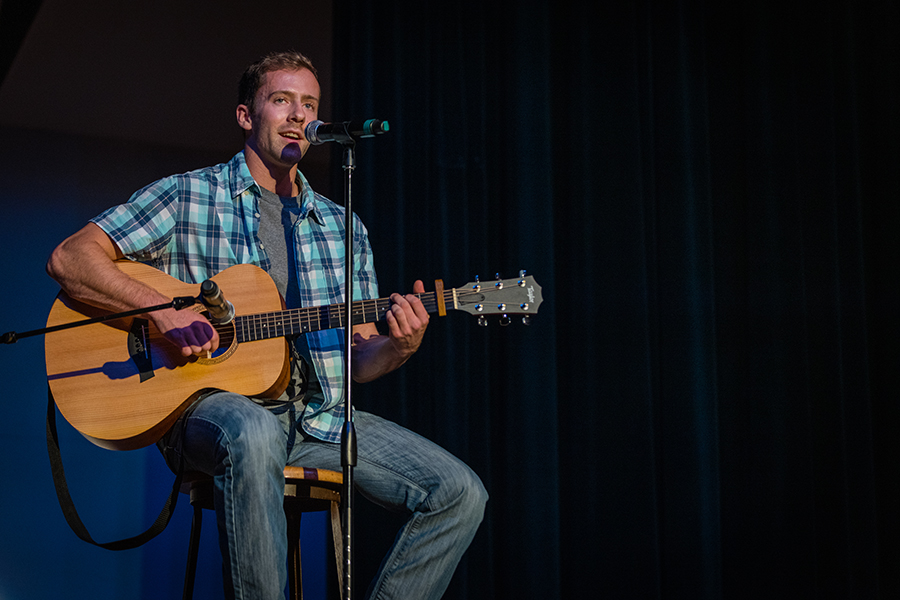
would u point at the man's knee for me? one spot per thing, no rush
(477, 496)
(468, 492)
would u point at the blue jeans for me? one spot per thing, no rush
(245, 448)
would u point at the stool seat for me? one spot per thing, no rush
(306, 489)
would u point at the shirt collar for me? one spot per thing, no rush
(242, 180)
(309, 204)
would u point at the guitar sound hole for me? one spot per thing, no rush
(226, 348)
(226, 338)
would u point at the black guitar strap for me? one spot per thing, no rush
(68, 506)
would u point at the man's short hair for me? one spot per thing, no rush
(253, 76)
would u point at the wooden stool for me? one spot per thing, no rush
(305, 490)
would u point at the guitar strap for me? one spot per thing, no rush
(68, 506)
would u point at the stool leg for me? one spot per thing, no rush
(193, 548)
(295, 569)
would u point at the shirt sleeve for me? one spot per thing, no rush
(142, 227)
(365, 280)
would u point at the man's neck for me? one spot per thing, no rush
(275, 178)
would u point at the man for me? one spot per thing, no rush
(258, 208)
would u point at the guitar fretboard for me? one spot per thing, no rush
(295, 321)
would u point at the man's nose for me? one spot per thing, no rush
(298, 115)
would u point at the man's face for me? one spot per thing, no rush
(285, 103)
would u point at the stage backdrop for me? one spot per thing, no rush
(709, 193)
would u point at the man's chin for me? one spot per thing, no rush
(292, 153)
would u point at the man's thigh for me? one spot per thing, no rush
(396, 468)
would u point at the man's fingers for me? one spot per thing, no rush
(196, 338)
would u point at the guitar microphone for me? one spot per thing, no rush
(318, 132)
(220, 309)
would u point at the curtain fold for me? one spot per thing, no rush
(706, 404)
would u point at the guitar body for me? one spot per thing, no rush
(122, 384)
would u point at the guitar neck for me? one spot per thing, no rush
(295, 321)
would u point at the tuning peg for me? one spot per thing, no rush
(477, 286)
(482, 321)
(526, 320)
(504, 320)
(522, 278)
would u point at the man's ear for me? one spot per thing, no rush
(244, 119)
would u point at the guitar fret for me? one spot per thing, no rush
(296, 321)
(334, 316)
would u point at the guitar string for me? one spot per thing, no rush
(303, 320)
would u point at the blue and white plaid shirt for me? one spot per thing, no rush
(197, 224)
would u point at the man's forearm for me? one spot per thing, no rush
(84, 266)
(87, 274)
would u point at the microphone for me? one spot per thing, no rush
(318, 132)
(220, 309)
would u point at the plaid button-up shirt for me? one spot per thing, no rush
(197, 224)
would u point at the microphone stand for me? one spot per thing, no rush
(345, 134)
(348, 434)
(178, 303)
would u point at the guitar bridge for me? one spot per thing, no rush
(139, 348)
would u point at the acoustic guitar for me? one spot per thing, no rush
(121, 384)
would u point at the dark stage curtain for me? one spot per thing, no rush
(707, 404)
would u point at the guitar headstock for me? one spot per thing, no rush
(520, 296)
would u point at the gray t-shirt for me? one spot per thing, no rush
(278, 216)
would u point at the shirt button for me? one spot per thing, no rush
(262, 246)
(257, 215)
